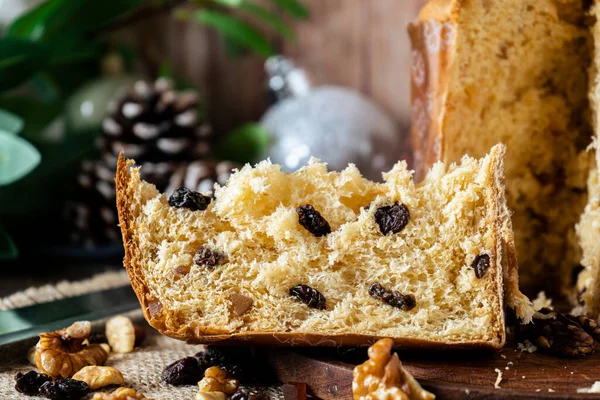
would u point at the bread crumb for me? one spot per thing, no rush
(538, 390)
(594, 389)
(551, 390)
(523, 377)
(498, 379)
(571, 372)
(503, 356)
(541, 301)
(507, 365)
(527, 346)
(467, 392)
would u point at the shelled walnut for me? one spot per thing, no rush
(382, 377)
(122, 334)
(216, 384)
(64, 352)
(98, 377)
(121, 393)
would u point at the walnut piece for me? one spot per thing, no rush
(64, 352)
(122, 334)
(216, 384)
(98, 377)
(121, 393)
(210, 396)
(382, 377)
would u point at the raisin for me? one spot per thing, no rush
(30, 382)
(312, 220)
(393, 298)
(186, 198)
(392, 219)
(309, 296)
(206, 257)
(186, 371)
(245, 393)
(65, 389)
(480, 264)
(237, 361)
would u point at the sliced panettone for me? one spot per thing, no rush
(588, 228)
(325, 258)
(514, 71)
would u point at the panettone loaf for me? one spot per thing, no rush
(422, 264)
(588, 229)
(512, 71)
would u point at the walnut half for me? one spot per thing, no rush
(121, 393)
(216, 385)
(98, 377)
(64, 352)
(382, 377)
(122, 334)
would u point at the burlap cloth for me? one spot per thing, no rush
(141, 369)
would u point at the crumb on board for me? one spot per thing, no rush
(551, 390)
(527, 346)
(523, 377)
(594, 389)
(498, 379)
(503, 356)
(538, 390)
(507, 365)
(467, 392)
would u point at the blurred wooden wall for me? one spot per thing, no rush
(361, 44)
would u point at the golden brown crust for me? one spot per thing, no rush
(160, 319)
(132, 258)
(432, 37)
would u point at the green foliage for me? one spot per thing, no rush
(17, 158)
(19, 60)
(293, 7)
(8, 249)
(244, 144)
(232, 28)
(10, 122)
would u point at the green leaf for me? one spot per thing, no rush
(58, 163)
(293, 7)
(268, 18)
(62, 18)
(229, 3)
(18, 157)
(232, 28)
(32, 24)
(19, 60)
(8, 249)
(9, 122)
(35, 114)
(244, 144)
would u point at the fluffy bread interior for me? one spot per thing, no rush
(455, 215)
(520, 77)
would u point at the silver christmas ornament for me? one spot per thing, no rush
(337, 125)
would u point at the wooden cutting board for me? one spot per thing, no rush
(449, 375)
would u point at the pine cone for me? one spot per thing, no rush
(91, 212)
(201, 176)
(154, 123)
(557, 334)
